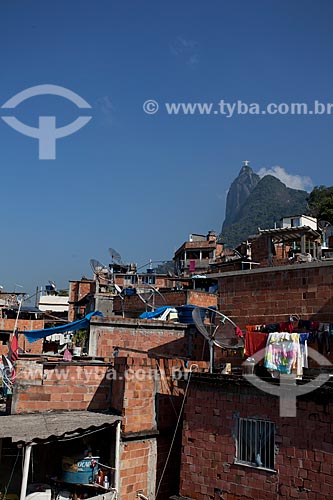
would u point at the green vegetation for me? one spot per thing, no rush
(321, 203)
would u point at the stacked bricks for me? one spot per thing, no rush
(44, 387)
(165, 338)
(303, 454)
(138, 464)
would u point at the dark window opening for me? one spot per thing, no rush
(256, 443)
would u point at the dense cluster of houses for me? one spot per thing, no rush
(142, 405)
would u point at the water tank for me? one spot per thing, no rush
(185, 313)
(78, 470)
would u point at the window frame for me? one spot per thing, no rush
(248, 442)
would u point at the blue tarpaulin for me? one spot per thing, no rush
(81, 324)
(154, 314)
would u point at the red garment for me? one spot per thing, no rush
(192, 265)
(13, 349)
(286, 327)
(238, 332)
(254, 342)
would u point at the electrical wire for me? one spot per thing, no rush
(11, 474)
(176, 429)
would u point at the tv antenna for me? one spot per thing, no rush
(147, 293)
(219, 331)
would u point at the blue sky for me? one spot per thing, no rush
(142, 183)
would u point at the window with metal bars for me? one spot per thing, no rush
(256, 443)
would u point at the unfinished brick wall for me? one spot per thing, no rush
(49, 387)
(34, 348)
(271, 295)
(304, 446)
(133, 305)
(138, 468)
(149, 400)
(77, 291)
(143, 335)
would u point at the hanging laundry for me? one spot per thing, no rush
(286, 326)
(282, 352)
(254, 342)
(270, 328)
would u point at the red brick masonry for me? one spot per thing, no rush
(303, 445)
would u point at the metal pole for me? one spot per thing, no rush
(117, 459)
(211, 356)
(25, 471)
(18, 314)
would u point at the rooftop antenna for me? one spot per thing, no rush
(115, 256)
(101, 272)
(217, 329)
(324, 225)
(99, 269)
(15, 285)
(52, 284)
(147, 293)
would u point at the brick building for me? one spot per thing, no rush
(196, 255)
(80, 292)
(139, 390)
(29, 318)
(223, 457)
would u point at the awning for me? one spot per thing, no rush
(287, 234)
(81, 324)
(39, 427)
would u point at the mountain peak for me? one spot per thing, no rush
(254, 202)
(238, 193)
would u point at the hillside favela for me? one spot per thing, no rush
(207, 376)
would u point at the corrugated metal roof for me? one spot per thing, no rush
(53, 425)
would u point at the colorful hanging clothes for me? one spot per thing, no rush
(282, 352)
(254, 342)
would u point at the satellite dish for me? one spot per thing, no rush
(219, 330)
(147, 293)
(52, 284)
(324, 224)
(98, 268)
(115, 256)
